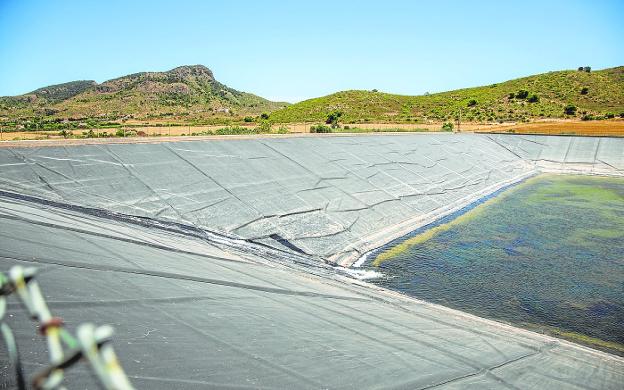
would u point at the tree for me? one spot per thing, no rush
(472, 102)
(584, 91)
(570, 109)
(264, 116)
(580, 68)
(587, 69)
(533, 99)
(332, 118)
(522, 94)
(248, 119)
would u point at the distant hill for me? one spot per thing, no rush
(185, 93)
(60, 92)
(191, 94)
(546, 96)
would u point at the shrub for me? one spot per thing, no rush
(621, 114)
(447, 126)
(346, 127)
(580, 68)
(236, 130)
(320, 129)
(265, 126)
(522, 94)
(588, 117)
(584, 91)
(609, 115)
(533, 99)
(120, 133)
(264, 116)
(88, 134)
(587, 69)
(248, 119)
(570, 109)
(472, 102)
(282, 130)
(512, 95)
(375, 90)
(64, 133)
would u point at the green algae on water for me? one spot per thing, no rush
(394, 250)
(547, 252)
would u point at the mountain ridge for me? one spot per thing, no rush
(190, 94)
(184, 90)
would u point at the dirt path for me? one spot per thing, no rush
(147, 140)
(614, 127)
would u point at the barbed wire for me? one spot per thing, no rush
(91, 343)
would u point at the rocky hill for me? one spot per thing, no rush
(185, 93)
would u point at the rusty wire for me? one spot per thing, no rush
(91, 343)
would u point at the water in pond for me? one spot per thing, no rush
(547, 254)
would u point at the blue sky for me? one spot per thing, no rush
(291, 50)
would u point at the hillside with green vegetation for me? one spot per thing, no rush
(190, 95)
(59, 92)
(187, 94)
(581, 94)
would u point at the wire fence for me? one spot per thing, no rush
(91, 344)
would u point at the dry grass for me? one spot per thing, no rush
(613, 127)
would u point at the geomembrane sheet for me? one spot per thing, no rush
(207, 258)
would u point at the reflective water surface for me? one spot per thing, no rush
(547, 254)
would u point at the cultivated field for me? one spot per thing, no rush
(614, 127)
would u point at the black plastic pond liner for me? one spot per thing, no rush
(240, 310)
